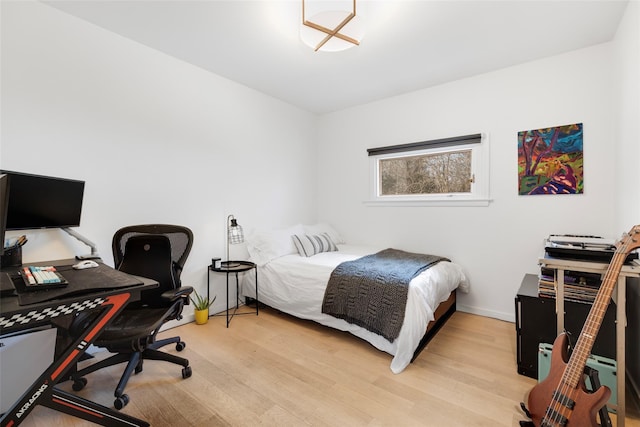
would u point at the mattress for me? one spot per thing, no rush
(295, 285)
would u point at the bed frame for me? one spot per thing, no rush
(441, 315)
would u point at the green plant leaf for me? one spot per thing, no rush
(200, 302)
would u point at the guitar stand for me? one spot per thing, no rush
(605, 420)
(594, 380)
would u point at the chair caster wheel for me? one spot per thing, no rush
(121, 401)
(186, 372)
(181, 346)
(79, 384)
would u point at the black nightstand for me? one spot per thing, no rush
(236, 267)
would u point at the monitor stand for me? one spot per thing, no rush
(80, 237)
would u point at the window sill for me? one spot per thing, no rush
(434, 203)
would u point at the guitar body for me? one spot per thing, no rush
(587, 404)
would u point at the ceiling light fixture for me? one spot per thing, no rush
(331, 30)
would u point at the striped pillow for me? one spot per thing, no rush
(309, 245)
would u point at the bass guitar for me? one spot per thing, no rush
(562, 399)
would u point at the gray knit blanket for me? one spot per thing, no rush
(371, 291)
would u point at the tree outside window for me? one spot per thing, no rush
(441, 173)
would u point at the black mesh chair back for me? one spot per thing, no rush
(150, 256)
(158, 252)
(181, 239)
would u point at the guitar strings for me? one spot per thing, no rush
(559, 411)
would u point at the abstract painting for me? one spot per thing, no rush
(550, 160)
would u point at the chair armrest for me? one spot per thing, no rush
(174, 294)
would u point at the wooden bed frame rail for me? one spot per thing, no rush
(441, 315)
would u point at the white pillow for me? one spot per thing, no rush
(265, 246)
(324, 228)
(309, 245)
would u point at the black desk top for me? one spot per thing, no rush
(84, 286)
(101, 288)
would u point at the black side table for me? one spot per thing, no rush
(236, 267)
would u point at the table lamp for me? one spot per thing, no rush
(234, 236)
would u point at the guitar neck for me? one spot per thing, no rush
(581, 351)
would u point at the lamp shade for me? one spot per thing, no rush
(330, 30)
(235, 233)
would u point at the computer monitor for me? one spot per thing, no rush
(4, 193)
(36, 201)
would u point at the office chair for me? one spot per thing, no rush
(157, 252)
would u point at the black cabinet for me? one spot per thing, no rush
(536, 323)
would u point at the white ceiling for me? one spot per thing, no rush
(409, 45)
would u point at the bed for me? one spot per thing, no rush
(295, 284)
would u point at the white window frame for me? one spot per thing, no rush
(479, 194)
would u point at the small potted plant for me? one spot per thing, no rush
(201, 307)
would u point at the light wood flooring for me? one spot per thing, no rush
(275, 370)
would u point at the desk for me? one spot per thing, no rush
(632, 270)
(113, 292)
(236, 267)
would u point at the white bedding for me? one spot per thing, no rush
(296, 285)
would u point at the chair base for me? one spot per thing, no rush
(134, 361)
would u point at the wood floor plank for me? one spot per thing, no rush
(275, 370)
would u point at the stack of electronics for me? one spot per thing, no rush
(579, 286)
(583, 248)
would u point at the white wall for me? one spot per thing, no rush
(137, 125)
(498, 244)
(156, 140)
(627, 92)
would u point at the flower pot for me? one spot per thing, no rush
(202, 316)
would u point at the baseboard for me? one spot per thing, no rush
(507, 317)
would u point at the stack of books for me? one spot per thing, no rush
(578, 286)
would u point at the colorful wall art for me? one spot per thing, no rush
(550, 160)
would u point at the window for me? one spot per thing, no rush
(443, 172)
